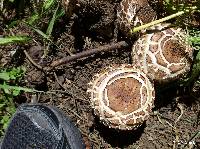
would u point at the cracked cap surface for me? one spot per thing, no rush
(122, 97)
(163, 53)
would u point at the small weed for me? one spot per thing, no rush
(13, 39)
(7, 93)
(48, 32)
(46, 35)
(194, 39)
(47, 4)
(7, 109)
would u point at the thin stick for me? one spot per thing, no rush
(83, 54)
(160, 20)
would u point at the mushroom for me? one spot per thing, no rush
(132, 13)
(163, 53)
(122, 96)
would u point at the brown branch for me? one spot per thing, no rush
(104, 48)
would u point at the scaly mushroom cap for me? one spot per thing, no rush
(163, 53)
(122, 97)
(132, 13)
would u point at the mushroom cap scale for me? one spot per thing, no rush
(122, 97)
(132, 13)
(163, 53)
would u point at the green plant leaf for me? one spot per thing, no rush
(16, 73)
(167, 1)
(16, 92)
(11, 107)
(195, 40)
(8, 87)
(60, 13)
(33, 18)
(6, 91)
(51, 23)
(2, 105)
(13, 39)
(48, 3)
(195, 69)
(5, 121)
(13, 23)
(13, 74)
(4, 76)
(40, 33)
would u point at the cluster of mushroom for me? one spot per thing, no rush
(123, 96)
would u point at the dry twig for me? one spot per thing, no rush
(108, 47)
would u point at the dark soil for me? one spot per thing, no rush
(174, 120)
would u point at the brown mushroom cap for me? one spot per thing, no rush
(122, 97)
(163, 53)
(132, 13)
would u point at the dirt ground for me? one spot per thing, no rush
(175, 118)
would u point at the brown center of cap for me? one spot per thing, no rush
(173, 51)
(124, 95)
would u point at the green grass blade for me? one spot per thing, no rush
(13, 39)
(51, 23)
(40, 33)
(48, 3)
(13, 23)
(60, 13)
(33, 18)
(136, 29)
